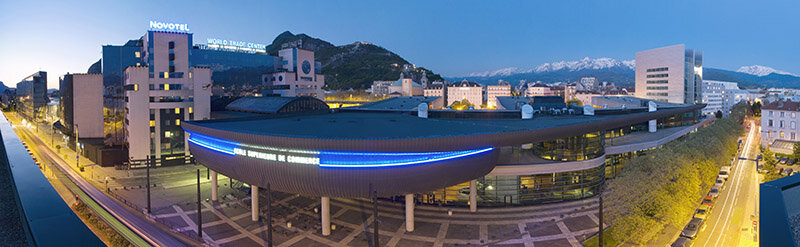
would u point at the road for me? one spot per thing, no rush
(731, 219)
(140, 226)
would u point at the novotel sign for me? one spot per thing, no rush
(239, 44)
(171, 27)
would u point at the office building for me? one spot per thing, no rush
(503, 89)
(31, 96)
(672, 74)
(465, 90)
(161, 93)
(722, 96)
(296, 74)
(82, 105)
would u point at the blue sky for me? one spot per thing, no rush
(452, 38)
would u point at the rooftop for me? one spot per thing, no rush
(381, 125)
(781, 105)
(397, 103)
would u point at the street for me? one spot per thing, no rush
(731, 220)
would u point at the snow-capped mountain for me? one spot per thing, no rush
(583, 64)
(758, 70)
(499, 72)
(622, 74)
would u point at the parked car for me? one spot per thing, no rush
(782, 160)
(720, 183)
(708, 200)
(691, 229)
(714, 192)
(724, 171)
(702, 212)
(787, 171)
(682, 242)
(791, 162)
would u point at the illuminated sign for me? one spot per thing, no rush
(170, 27)
(327, 159)
(238, 44)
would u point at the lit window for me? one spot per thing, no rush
(190, 74)
(191, 109)
(138, 64)
(152, 123)
(138, 55)
(166, 75)
(781, 134)
(166, 87)
(177, 110)
(177, 122)
(167, 134)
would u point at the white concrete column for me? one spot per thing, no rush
(214, 185)
(254, 202)
(326, 215)
(409, 212)
(473, 195)
(652, 125)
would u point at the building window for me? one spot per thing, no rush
(152, 123)
(781, 123)
(782, 114)
(172, 45)
(177, 122)
(768, 124)
(791, 125)
(781, 134)
(137, 54)
(770, 113)
(792, 114)
(793, 135)
(177, 110)
(171, 56)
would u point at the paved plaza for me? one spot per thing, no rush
(228, 223)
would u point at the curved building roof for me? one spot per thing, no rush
(343, 154)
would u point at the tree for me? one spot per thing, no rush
(796, 149)
(463, 104)
(756, 108)
(575, 101)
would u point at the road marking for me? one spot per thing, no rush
(737, 178)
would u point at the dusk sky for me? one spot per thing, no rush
(453, 38)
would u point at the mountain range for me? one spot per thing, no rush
(622, 73)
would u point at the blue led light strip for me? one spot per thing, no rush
(330, 159)
(212, 143)
(365, 160)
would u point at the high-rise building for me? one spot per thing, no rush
(82, 105)
(162, 92)
(32, 96)
(297, 74)
(672, 74)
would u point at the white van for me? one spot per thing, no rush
(724, 172)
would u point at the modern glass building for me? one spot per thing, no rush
(671, 74)
(32, 96)
(478, 158)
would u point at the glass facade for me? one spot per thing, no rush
(523, 190)
(557, 186)
(576, 148)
